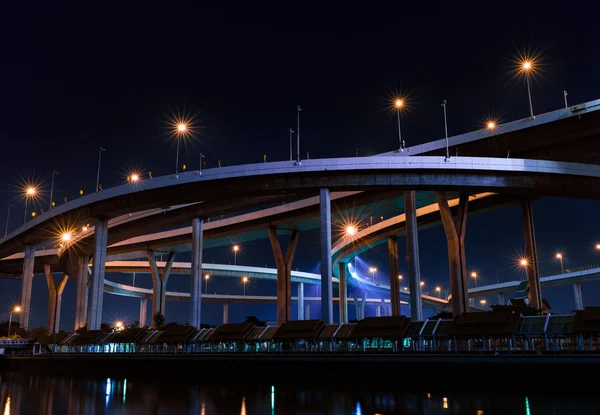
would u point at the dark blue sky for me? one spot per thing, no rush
(73, 81)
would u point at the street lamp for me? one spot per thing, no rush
(438, 290)
(527, 66)
(119, 325)
(181, 131)
(490, 125)
(17, 310)
(8, 217)
(236, 248)
(483, 302)
(560, 258)
(372, 270)
(351, 230)
(446, 130)
(245, 281)
(98, 174)
(135, 178)
(399, 104)
(206, 278)
(400, 277)
(523, 262)
(54, 172)
(474, 276)
(29, 192)
(598, 247)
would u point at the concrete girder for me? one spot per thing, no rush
(54, 299)
(26, 284)
(196, 274)
(326, 264)
(394, 283)
(284, 274)
(412, 257)
(159, 283)
(96, 289)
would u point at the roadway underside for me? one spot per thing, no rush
(432, 373)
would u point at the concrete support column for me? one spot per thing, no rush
(300, 301)
(225, 313)
(377, 311)
(54, 299)
(533, 272)
(159, 283)
(284, 274)
(455, 235)
(26, 283)
(394, 283)
(343, 293)
(307, 311)
(578, 296)
(96, 292)
(326, 270)
(78, 269)
(143, 312)
(360, 307)
(412, 258)
(196, 274)
(501, 298)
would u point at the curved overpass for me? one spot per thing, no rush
(532, 177)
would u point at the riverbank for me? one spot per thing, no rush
(435, 372)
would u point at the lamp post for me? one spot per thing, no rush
(181, 131)
(30, 192)
(291, 145)
(439, 291)
(54, 172)
(399, 104)
(474, 275)
(7, 217)
(372, 270)
(446, 130)
(98, 173)
(527, 66)
(236, 248)
(298, 134)
(206, 278)
(560, 258)
(483, 302)
(244, 281)
(17, 309)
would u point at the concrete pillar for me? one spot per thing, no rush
(26, 283)
(143, 312)
(307, 311)
(394, 283)
(78, 269)
(326, 270)
(284, 274)
(54, 299)
(300, 301)
(455, 235)
(377, 311)
(501, 298)
(96, 292)
(196, 274)
(578, 296)
(343, 293)
(360, 307)
(533, 272)
(159, 283)
(412, 258)
(225, 313)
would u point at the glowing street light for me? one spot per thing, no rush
(483, 302)
(439, 291)
(235, 248)
(372, 270)
(30, 192)
(422, 284)
(491, 125)
(66, 237)
(598, 247)
(135, 178)
(119, 325)
(523, 262)
(399, 104)
(560, 258)
(527, 67)
(244, 281)
(351, 230)
(474, 275)
(16, 309)
(400, 277)
(181, 131)
(206, 278)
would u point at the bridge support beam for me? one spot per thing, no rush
(455, 235)
(143, 312)
(394, 283)
(501, 298)
(300, 301)
(326, 266)
(360, 306)
(412, 258)
(225, 312)
(284, 274)
(26, 284)
(377, 311)
(578, 296)
(96, 292)
(54, 299)
(159, 283)
(307, 311)
(533, 271)
(78, 269)
(196, 274)
(343, 293)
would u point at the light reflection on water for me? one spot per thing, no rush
(25, 394)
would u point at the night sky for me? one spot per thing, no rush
(74, 81)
